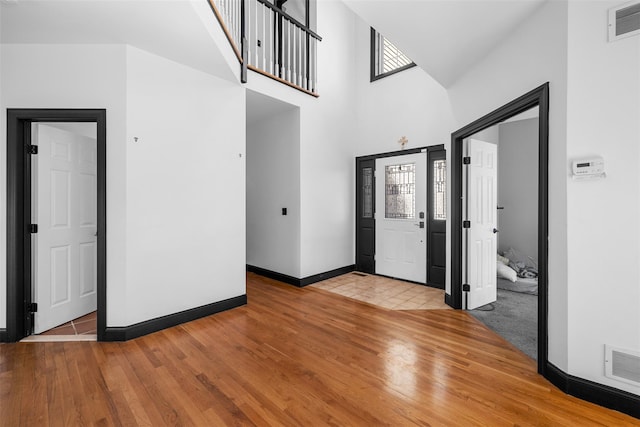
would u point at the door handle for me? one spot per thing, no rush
(420, 224)
(495, 230)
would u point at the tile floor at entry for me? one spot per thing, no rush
(85, 325)
(385, 292)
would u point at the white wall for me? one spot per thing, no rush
(273, 183)
(327, 168)
(518, 187)
(351, 117)
(73, 76)
(185, 188)
(603, 245)
(327, 136)
(534, 54)
(172, 242)
(409, 103)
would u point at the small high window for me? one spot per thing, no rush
(386, 58)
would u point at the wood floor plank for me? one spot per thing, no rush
(291, 357)
(125, 379)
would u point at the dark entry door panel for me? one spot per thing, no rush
(437, 217)
(365, 216)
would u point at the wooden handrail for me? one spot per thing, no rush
(283, 81)
(226, 31)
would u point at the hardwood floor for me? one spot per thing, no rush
(292, 357)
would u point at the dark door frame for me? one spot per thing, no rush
(360, 161)
(537, 97)
(19, 318)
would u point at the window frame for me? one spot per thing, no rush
(372, 69)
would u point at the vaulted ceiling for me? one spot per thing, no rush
(173, 29)
(445, 37)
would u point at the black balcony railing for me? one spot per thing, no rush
(271, 42)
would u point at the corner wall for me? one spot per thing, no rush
(185, 188)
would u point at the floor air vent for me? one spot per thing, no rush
(624, 21)
(622, 365)
(355, 273)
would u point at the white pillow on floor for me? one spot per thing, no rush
(506, 272)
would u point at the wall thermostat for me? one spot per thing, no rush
(589, 168)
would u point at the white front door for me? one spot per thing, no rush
(481, 240)
(65, 209)
(401, 205)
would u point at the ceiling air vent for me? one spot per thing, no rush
(624, 21)
(622, 365)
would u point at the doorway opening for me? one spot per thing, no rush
(61, 262)
(273, 188)
(507, 301)
(462, 286)
(401, 215)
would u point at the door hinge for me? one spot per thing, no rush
(33, 228)
(33, 307)
(466, 160)
(466, 288)
(466, 224)
(32, 149)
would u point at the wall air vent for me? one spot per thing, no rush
(622, 365)
(624, 21)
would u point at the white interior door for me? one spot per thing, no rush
(401, 205)
(481, 239)
(65, 209)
